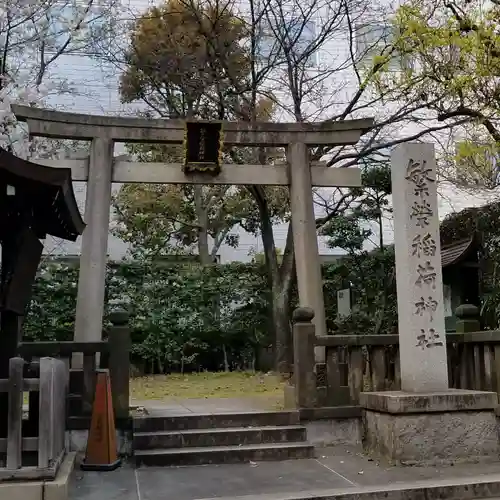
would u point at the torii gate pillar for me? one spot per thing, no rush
(305, 239)
(93, 258)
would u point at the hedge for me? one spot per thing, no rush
(188, 317)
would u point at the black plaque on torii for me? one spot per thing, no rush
(203, 143)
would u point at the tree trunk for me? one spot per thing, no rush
(226, 362)
(282, 296)
(381, 230)
(202, 216)
(280, 282)
(283, 335)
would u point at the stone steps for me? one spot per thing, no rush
(215, 421)
(219, 438)
(223, 454)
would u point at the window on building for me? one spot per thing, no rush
(71, 260)
(267, 44)
(61, 19)
(372, 39)
(174, 259)
(296, 34)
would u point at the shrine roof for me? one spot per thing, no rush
(457, 252)
(47, 191)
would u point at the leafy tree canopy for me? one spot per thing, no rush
(184, 61)
(370, 204)
(189, 61)
(455, 62)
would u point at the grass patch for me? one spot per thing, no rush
(206, 385)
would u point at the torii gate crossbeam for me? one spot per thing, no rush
(100, 170)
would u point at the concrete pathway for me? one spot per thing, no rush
(171, 407)
(340, 468)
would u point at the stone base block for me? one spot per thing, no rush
(59, 488)
(431, 429)
(323, 433)
(41, 490)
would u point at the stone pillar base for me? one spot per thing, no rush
(432, 428)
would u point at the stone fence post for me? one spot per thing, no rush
(467, 318)
(119, 361)
(304, 336)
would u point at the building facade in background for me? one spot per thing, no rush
(95, 82)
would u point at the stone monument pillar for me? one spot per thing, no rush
(422, 343)
(425, 422)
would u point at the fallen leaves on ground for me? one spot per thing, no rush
(208, 385)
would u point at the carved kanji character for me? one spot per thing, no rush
(424, 245)
(426, 275)
(418, 173)
(428, 305)
(421, 211)
(431, 340)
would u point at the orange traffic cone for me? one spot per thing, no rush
(101, 444)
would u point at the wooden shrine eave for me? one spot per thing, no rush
(48, 194)
(459, 252)
(62, 125)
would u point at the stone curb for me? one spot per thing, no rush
(454, 489)
(41, 490)
(21, 491)
(58, 489)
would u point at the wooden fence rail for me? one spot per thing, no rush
(358, 363)
(49, 441)
(112, 353)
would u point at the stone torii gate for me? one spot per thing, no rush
(100, 170)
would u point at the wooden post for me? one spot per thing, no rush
(31, 425)
(89, 379)
(15, 414)
(60, 396)
(470, 362)
(356, 363)
(488, 368)
(119, 362)
(378, 367)
(46, 422)
(52, 423)
(333, 377)
(9, 328)
(303, 355)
